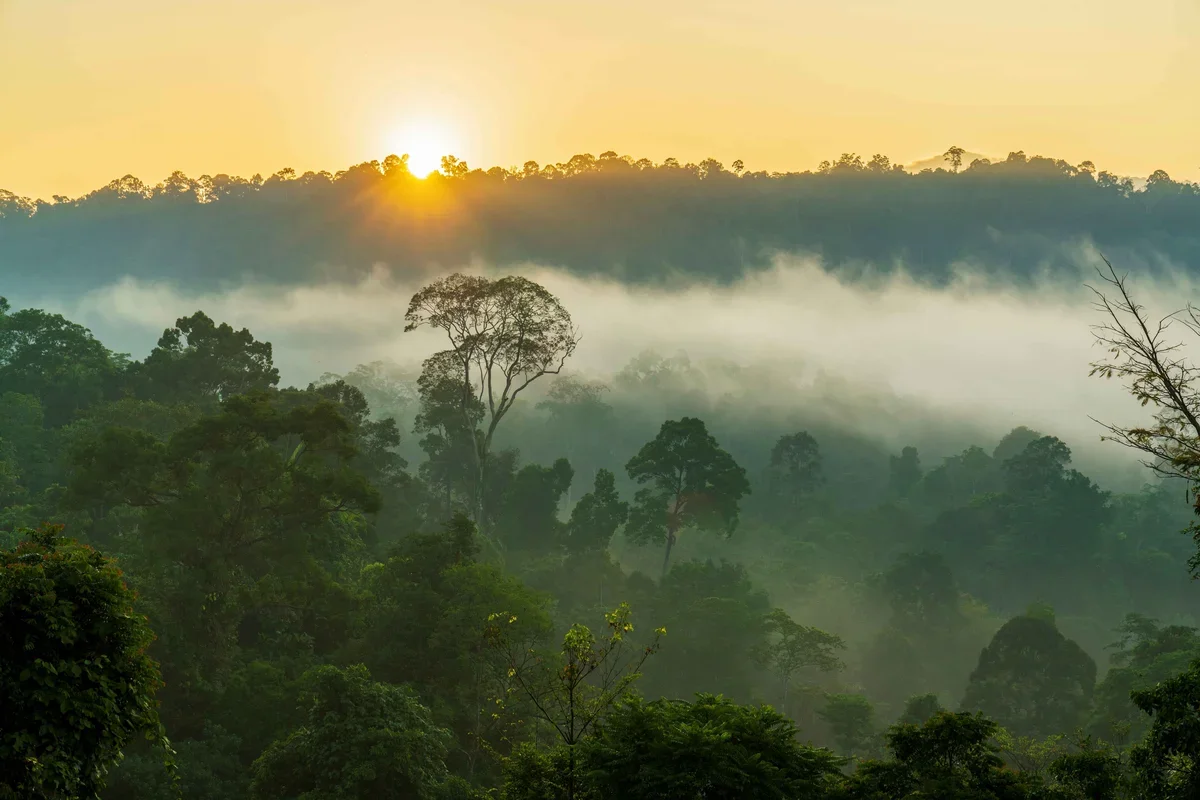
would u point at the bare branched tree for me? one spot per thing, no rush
(1142, 352)
(504, 334)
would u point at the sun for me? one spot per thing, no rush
(425, 142)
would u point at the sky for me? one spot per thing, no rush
(95, 89)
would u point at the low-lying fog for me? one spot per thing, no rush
(881, 356)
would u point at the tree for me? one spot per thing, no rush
(926, 617)
(954, 156)
(1095, 771)
(1014, 442)
(77, 683)
(449, 439)
(922, 593)
(711, 748)
(361, 739)
(55, 360)
(794, 472)
(376, 443)
(919, 708)
(250, 508)
(1167, 762)
(1140, 352)
(718, 620)
(1146, 654)
(851, 720)
(573, 689)
(200, 361)
(426, 622)
(581, 423)
(1032, 680)
(947, 756)
(596, 517)
(792, 647)
(527, 516)
(504, 335)
(693, 483)
(904, 472)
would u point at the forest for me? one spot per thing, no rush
(634, 219)
(497, 577)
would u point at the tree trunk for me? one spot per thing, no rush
(667, 554)
(571, 774)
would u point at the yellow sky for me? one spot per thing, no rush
(94, 89)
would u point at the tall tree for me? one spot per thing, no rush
(954, 155)
(596, 517)
(791, 648)
(689, 482)
(449, 434)
(199, 360)
(527, 517)
(794, 473)
(504, 335)
(77, 683)
(1031, 679)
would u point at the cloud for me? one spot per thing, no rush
(976, 351)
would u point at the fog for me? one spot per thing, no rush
(977, 354)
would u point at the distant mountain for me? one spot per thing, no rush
(934, 162)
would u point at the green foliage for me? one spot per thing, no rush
(209, 768)
(948, 756)
(927, 616)
(254, 505)
(361, 739)
(589, 213)
(709, 748)
(596, 517)
(919, 708)
(77, 683)
(794, 474)
(1032, 680)
(426, 623)
(199, 361)
(449, 416)
(689, 482)
(526, 520)
(269, 532)
(1147, 654)
(1166, 762)
(851, 718)
(573, 689)
(57, 361)
(1094, 772)
(904, 472)
(530, 773)
(792, 648)
(718, 621)
(504, 335)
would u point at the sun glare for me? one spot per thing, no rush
(425, 143)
